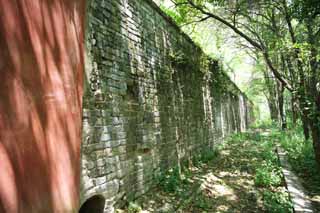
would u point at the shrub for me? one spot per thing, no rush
(277, 202)
(134, 208)
(205, 156)
(208, 155)
(267, 176)
(301, 157)
(300, 152)
(170, 181)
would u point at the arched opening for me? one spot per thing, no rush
(94, 204)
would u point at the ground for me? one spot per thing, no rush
(242, 175)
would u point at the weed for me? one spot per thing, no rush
(208, 155)
(134, 208)
(205, 156)
(302, 159)
(170, 181)
(202, 202)
(267, 175)
(264, 124)
(277, 202)
(300, 152)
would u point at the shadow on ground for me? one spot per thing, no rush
(224, 184)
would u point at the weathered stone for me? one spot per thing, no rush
(100, 180)
(151, 98)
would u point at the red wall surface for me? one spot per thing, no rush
(41, 68)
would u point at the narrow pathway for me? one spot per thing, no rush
(301, 201)
(244, 176)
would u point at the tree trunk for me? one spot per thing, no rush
(283, 121)
(301, 83)
(274, 112)
(313, 89)
(316, 140)
(294, 113)
(316, 128)
(294, 101)
(305, 125)
(272, 96)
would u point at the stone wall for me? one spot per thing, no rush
(152, 100)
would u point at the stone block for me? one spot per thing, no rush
(155, 88)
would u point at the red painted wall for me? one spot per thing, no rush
(41, 68)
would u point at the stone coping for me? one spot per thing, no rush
(298, 195)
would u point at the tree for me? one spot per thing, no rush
(285, 34)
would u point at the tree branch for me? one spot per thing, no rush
(276, 73)
(196, 21)
(218, 18)
(263, 49)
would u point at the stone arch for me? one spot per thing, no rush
(94, 204)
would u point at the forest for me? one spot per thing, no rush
(273, 56)
(165, 106)
(282, 37)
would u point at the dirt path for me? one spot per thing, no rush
(224, 184)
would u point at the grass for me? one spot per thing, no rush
(170, 181)
(242, 175)
(300, 152)
(277, 202)
(205, 156)
(300, 155)
(134, 208)
(302, 159)
(267, 172)
(267, 176)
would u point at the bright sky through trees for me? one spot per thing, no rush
(221, 43)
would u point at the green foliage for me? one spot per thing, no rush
(173, 14)
(267, 175)
(170, 181)
(208, 155)
(178, 59)
(301, 156)
(203, 202)
(268, 172)
(265, 124)
(250, 153)
(181, 14)
(205, 156)
(134, 208)
(304, 9)
(285, 35)
(269, 155)
(277, 202)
